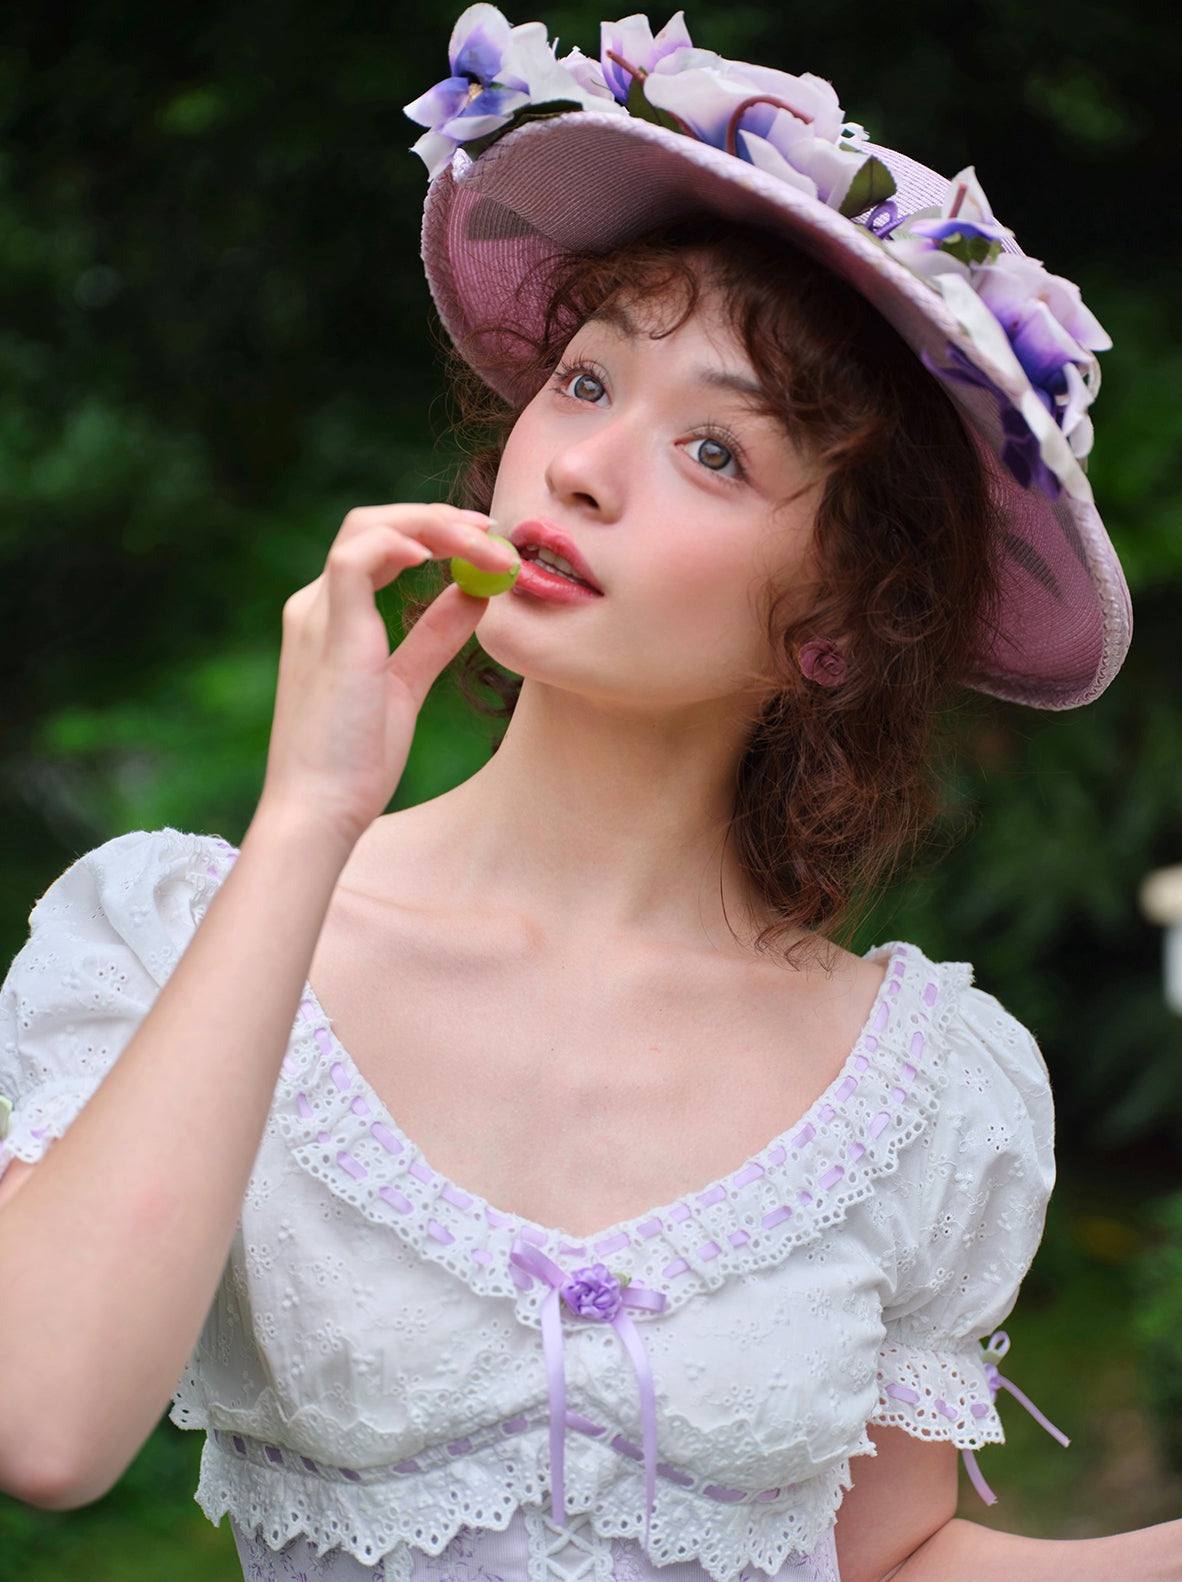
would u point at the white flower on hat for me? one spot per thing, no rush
(588, 74)
(628, 50)
(789, 126)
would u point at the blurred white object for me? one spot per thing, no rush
(1161, 901)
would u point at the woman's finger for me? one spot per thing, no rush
(356, 568)
(434, 640)
(443, 530)
(375, 555)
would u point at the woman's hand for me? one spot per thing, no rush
(346, 707)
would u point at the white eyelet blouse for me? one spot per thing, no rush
(384, 1385)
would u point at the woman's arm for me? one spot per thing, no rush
(900, 1498)
(898, 1524)
(112, 1246)
(969, 1553)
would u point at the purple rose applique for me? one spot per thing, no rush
(593, 1292)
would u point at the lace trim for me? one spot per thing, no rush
(297, 1561)
(801, 1184)
(36, 1122)
(532, 1549)
(260, 1453)
(282, 1500)
(937, 1395)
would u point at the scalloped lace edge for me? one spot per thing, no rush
(41, 1121)
(940, 1409)
(365, 1521)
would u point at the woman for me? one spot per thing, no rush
(757, 544)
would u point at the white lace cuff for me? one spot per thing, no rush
(27, 1127)
(937, 1394)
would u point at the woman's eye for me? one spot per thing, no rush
(585, 387)
(712, 454)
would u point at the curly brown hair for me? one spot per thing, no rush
(836, 784)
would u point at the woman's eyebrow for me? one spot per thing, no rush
(720, 379)
(617, 317)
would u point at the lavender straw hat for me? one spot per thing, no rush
(532, 156)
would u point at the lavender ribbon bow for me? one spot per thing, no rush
(593, 1293)
(999, 1344)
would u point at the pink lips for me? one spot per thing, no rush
(537, 580)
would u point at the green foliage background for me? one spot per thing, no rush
(215, 339)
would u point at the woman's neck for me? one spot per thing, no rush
(608, 819)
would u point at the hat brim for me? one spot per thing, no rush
(587, 182)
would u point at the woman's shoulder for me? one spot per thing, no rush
(148, 887)
(103, 938)
(139, 855)
(948, 1005)
(990, 1088)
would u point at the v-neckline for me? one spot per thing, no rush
(863, 1047)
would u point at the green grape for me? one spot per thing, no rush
(484, 584)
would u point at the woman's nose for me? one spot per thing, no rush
(589, 473)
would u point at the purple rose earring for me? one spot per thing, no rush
(823, 662)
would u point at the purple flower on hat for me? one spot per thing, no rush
(1021, 452)
(497, 71)
(474, 100)
(593, 1292)
(705, 91)
(628, 49)
(1050, 333)
(966, 228)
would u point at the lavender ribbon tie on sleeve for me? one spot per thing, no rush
(592, 1293)
(999, 1344)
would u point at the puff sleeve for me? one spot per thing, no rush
(970, 1215)
(103, 939)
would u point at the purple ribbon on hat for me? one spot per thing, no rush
(592, 1293)
(999, 1344)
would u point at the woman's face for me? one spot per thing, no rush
(648, 466)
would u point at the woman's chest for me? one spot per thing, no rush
(759, 1378)
(579, 1091)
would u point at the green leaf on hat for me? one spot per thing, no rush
(528, 112)
(872, 184)
(639, 106)
(970, 249)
